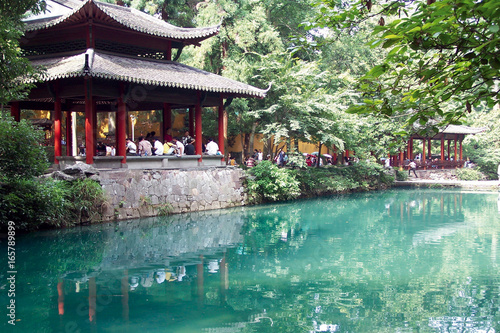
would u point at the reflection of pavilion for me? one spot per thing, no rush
(185, 251)
(102, 57)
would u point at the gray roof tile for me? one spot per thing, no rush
(143, 71)
(128, 17)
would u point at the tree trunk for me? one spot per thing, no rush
(252, 138)
(319, 155)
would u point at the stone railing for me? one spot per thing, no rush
(146, 162)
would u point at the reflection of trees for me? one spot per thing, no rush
(364, 271)
(394, 260)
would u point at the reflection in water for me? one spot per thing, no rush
(399, 261)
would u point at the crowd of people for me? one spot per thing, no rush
(151, 145)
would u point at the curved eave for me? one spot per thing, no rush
(128, 18)
(143, 71)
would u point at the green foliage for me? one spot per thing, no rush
(483, 149)
(164, 209)
(267, 182)
(469, 174)
(37, 203)
(439, 52)
(86, 197)
(30, 203)
(12, 64)
(21, 155)
(401, 175)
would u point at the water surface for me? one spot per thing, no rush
(393, 261)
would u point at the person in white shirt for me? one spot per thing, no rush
(212, 147)
(180, 146)
(131, 148)
(158, 147)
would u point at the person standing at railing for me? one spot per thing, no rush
(413, 167)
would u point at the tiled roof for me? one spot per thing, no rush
(461, 129)
(125, 16)
(143, 71)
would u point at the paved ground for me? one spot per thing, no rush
(490, 185)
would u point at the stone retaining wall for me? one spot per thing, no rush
(143, 193)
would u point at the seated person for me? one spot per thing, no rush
(169, 148)
(157, 147)
(131, 148)
(101, 149)
(189, 148)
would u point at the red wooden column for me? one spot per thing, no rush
(200, 281)
(423, 154)
(221, 125)
(92, 299)
(224, 278)
(456, 139)
(69, 134)
(121, 125)
(410, 149)
(461, 155)
(15, 111)
(124, 290)
(449, 155)
(191, 121)
(167, 119)
(442, 152)
(429, 148)
(198, 130)
(89, 122)
(60, 296)
(57, 125)
(401, 158)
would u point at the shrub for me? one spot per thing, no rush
(267, 182)
(36, 203)
(401, 175)
(21, 155)
(469, 174)
(30, 203)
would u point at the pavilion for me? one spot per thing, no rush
(451, 154)
(101, 57)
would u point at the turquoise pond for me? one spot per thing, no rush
(409, 260)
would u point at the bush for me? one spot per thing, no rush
(338, 179)
(401, 175)
(469, 174)
(21, 155)
(36, 203)
(267, 182)
(30, 203)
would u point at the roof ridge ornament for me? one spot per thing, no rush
(89, 61)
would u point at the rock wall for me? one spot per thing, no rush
(143, 193)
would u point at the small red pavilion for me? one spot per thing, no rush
(101, 57)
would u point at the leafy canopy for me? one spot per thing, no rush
(439, 52)
(12, 64)
(21, 155)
